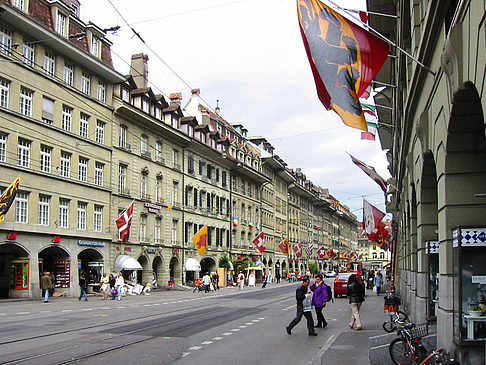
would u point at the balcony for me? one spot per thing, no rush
(177, 166)
(146, 154)
(125, 146)
(124, 191)
(145, 196)
(160, 160)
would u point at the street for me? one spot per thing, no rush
(227, 326)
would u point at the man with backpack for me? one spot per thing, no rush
(322, 295)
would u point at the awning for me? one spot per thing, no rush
(254, 268)
(192, 265)
(125, 262)
(260, 264)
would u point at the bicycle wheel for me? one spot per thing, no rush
(402, 317)
(389, 327)
(400, 352)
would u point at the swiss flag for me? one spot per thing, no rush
(259, 242)
(321, 252)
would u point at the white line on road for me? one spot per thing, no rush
(2, 314)
(261, 318)
(156, 303)
(23, 313)
(235, 330)
(185, 354)
(250, 324)
(147, 305)
(256, 320)
(242, 326)
(121, 307)
(206, 343)
(166, 303)
(227, 334)
(45, 311)
(195, 348)
(67, 310)
(217, 338)
(88, 309)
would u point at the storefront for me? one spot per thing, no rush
(56, 260)
(193, 269)
(14, 271)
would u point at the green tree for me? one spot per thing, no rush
(241, 265)
(313, 268)
(224, 262)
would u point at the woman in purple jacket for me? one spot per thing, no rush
(319, 300)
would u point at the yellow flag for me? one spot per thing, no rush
(201, 240)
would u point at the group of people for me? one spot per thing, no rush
(321, 295)
(207, 283)
(374, 281)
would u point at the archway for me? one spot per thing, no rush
(14, 271)
(157, 270)
(144, 276)
(90, 261)
(175, 269)
(208, 265)
(56, 260)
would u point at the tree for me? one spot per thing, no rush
(313, 268)
(224, 262)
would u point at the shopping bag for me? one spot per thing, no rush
(307, 303)
(374, 288)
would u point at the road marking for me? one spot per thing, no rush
(227, 334)
(100, 315)
(185, 354)
(235, 330)
(88, 309)
(195, 348)
(25, 312)
(147, 305)
(217, 338)
(67, 310)
(47, 311)
(156, 303)
(242, 326)
(166, 303)
(256, 320)
(121, 307)
(105, 308)
(250, 324)
(206, 343)
(2, 314)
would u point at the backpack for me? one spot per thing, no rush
(329, 293)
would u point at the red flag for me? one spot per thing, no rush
(124, 222)
(298, 249)
(321, 252)
(344, 59)
(371, 172)
(284, 246)
(259, 242)
(363, 15)
(372, 222)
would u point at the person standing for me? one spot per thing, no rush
(104, 285)
(241, 280)
(112, 286)
(356, 293)
(378, 281)
(264, 280)
(300, 295)
(83, 285)
(119, 284)
(206, 282)
(216, 281)
(46, 286)
(370, 280)
(319, 300)
(277, 277)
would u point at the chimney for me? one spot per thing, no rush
(175, 98)
(195, 92)
(217, 110)
(139, 70)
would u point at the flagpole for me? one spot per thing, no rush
(124, 210)
(373, 13)
(385, 38)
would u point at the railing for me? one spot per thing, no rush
(124, 191)
(125, 146)
(146, 196)
(146, 154)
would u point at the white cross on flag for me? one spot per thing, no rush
(321, 252)
(259, 242)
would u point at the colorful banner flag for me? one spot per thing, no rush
(298, 249)
(8, 197)
(372, 131)
(259, 242)
(124, 222)
(284, 246)
(321, 252)
(201, 240)
(344, 59)
(373, 224)
(309, 250)
(371, 172)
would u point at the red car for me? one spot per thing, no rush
(340, 283)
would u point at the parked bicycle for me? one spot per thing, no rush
(407, 349)
(397, 317)
(439, 357)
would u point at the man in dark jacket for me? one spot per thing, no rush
(83, 285)
(356, 293)
(300, 294)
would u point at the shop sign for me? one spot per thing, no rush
(150, 250)
(152, 208)
(87, 243)
(129, 249)
(175, 251)
(480, 279)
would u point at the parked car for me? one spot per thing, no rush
(340, 283)
(330, 274)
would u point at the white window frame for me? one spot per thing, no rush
(158, 151)
(5, 41)
(98, 218)
(101, 92)
(175, 157)
(49, 63)
(122, 177)
(65, 164)
(64, 213)
(157, 229)
(22, 207)
(23, 152)
(19, 4)
(84, 125)
(143, 143)
(143, 228)
(68, 73)
(44, 209)
(82, 211)
(26, 98)
(95, 46)
(145, 105)
(4, 93)
(158, 189)
(61, 23)
(143, 186)
(99, 168)
(174, 230)
(47, 110)
(45, 158)
(86, 83)
(83, 169)
(125, 94)
(28, 54)
(67, 118)
(175, 187)
(100, 131)
(122, 139)
(3, 146)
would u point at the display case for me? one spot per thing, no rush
(19, 275)
(62, 271)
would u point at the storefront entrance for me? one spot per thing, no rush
(144, 276)
(90, 261)
(14, 271)
(56, 261)
(157, 269)
(174, 269)
(208, 265)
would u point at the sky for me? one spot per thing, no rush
(249, 55)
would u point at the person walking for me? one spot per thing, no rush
(104, 286)
(264, 280)
(206, 282)
(119, 284)
(300, 295)
(378, 281)
(371, 279)
(319, 300)
(215, 281)
(46, 286)
(277, 277)
(112, 286)
(83, 285)
(356, 293)
(241, 280)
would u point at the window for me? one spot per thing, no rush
(68, 74)
(101, 92)
(63, 213)
(26, 102)
(174, 231)
(158, 113)
(49, 63)
(158, 151)
(98, 218)
(122, 139)
(100, 131)
(44, 202)
(158, 223)
(83, 169)
(47, 110)
(143, 143)
(45, 158)
(158, 189)
(145, 106)
(122, 178)
(95, 46)
(174, 122)
(175, 187)
(143, 228)
(82, 207)
(190, 164)
(125, 95)
(21, 207)
(143, 186)
(175, 158)
(28, 54)
(99, 167)
(19, 4)
(3, 147)
(5, 41)
(86, 83)
(84, 125)
(67, 117)
(4, 92)
(65, 164)
(61, 24)
(23, 153)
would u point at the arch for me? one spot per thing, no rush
(91, 261)
(157, 270)
(16, 260)
(175, 269)
(144, 276)
(56, 260)
(208, 265)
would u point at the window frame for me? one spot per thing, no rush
(49, 63)
(44, 210)
(26, 97)
(22, 207)
(45, 154)
(84, 125)
(23, 152)
(82, 212)
(4, 93)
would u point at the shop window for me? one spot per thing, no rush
(62, 271)
(19, 277)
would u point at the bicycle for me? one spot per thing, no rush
(439, 357)
(407, 349)
(396, 316)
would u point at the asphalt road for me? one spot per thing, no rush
(224, 327)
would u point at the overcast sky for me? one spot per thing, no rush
(249, 55)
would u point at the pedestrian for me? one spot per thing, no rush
(112, 286)
(303, 294)
(119, 284)
(206, 282)
(355, 292)
(216, 281)
(264, 280)
(277, 277)
(371, 279)
(319, 300)
(83, 286)
(104, 285)
(378, 281)
(241, 280)
(197, 284)
(46, 286)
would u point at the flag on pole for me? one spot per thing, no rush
(259, 242)
(124, 222)
(344, 59)
(309, 250)
(371, 172)
(298, 249)
(369, 109)
(201, 240)
(372, 223)
(284, 246)
(8, 197)
(372, 131)
(321, 252)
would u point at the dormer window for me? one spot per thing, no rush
(95, 46)
(145, 106)
(19, 4)
(174, 122)
(125, 94)
(190, 131)
(158, 113)
(61, 24)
